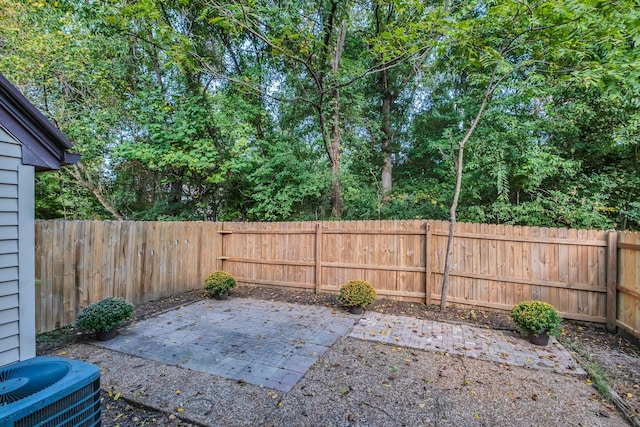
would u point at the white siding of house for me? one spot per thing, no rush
(17, 304)
(26, 262)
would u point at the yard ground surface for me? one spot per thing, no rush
(366, 383)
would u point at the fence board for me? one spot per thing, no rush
(563, 272)
(57, 304)
(628, 295)
(493, 266)
(70, 296)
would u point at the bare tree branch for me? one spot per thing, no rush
(80, 173)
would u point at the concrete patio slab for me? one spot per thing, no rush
(264, 343)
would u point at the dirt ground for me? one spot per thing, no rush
(608, 356)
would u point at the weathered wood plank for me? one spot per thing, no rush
(493, 266)
(628, 286)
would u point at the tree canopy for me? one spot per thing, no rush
(274, 110)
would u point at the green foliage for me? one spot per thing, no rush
(199, 111)
(357, 293)
(286, 181)
(104, 315)
(57, 336)
(536, 317)
(219, 282)
(57, 197)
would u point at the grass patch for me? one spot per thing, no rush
(598, 379)
(595, 373)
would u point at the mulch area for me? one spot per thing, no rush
(612, 355)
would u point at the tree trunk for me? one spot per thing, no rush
(452, 224)
(334, 156)
(336, 137)
(387, 135)
(456, 195)
(81, 175)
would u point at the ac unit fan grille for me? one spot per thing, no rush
(80, 408)
(18, 382)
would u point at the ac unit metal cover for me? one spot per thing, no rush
(51, 392)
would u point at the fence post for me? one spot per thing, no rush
(220, 247)
(427, 264)
(318, 257)
(612, 282)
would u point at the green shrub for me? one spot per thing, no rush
(219, 282)
(357, 293)
(536, 317)
(104, 315)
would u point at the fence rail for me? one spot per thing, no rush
(493, 266)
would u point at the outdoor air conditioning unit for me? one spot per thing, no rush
(49, 391)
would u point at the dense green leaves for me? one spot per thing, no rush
(270, 110)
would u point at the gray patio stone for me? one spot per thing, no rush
(273, 344)
(259, 342)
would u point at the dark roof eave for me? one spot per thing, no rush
(50, 141)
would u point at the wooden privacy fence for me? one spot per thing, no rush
(628, 288)
(81, 262)
(494, 266)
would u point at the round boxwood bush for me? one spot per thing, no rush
(536, 317)
(219, 282)
(104, 315)
(357, 293)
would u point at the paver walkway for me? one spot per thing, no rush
(498, 346)
(273, 344)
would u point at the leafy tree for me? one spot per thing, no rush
(504, 44)
(45, 53)
(264, 110)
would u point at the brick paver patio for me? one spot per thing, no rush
(503, 347)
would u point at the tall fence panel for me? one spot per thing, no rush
(494, 266)
(497, 266)
(81, 262)
(389, 254)
(629, 283)
(322, 256)
(278, 254)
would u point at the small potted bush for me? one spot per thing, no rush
(536, 319)
(356, 295)
(104, 317)
(219, 283)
